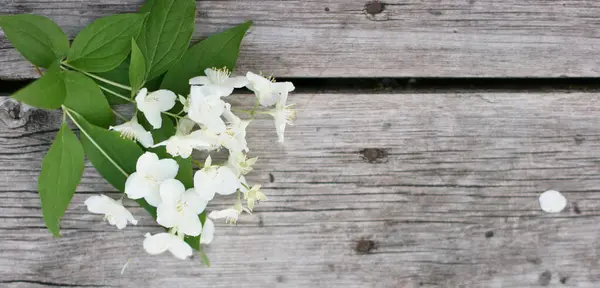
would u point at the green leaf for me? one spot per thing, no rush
(86, 98)
(166, 34)
(104, 44)
(47, 92)
(37, 38)
(61, 172)
(186, 172)
(220, 50)
(137, 68)
(114, 157)
(147, 6)
(119, 75)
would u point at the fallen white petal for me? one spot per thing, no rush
(552, 201)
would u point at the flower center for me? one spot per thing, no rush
(218, 76)
(109, 217)
(128, 134)
(180, 206)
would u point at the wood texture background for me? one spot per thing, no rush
(408, 38)
(370, 190)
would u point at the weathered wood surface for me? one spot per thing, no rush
(370, 190)
(407, 38)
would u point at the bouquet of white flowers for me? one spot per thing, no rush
(179, 94)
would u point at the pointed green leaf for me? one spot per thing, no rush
(114, 157)
(104, 44)
(61, 172)
(166, 34)
(219, 50)
(137, 68)
(37, 38)
(86, 98)
(47, 92)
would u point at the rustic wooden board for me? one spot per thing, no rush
(370, 190)
(408, 38)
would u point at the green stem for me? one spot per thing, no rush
(115, 94)
(98, 77)
(69, 111)
(172, 115)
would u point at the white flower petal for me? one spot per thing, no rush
(158, 243)
(120, 222)
(98, 204)
(146, 161)
(137, 186)
(143, 137)
(132, 130)
(141, 97)
(231, 215)
(219, 90)
(552, 201)
(200, 80)
(236, 82)
(171, 191)
(167, 215)
(153, 115)
(163, 99)
(208, 232)
(194, 202)
(180, 249)
(229, 182)
(189, 224)
(166, 169)
(206, 183)
(283, 87)
(153, 196)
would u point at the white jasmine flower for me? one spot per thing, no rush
(179, 208)
(183, 142)
(161, 242)
(206, 108)
(212, 180)
(155, 103)
(113, 211)
(234, 138)
(132, 130)
(185, 103)
(283, 115)
(254, 195)
(219, 81)
(150, 173)
(231, 215)
(267, 91)
(208, 232)
(239, 163)
(552, 201)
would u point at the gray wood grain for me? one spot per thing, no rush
(445, 195)
(408, 38)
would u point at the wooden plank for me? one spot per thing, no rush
(408, 38)
(369, 190)
(372, 190)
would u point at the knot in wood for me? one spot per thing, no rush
(374, 155)
(374, 7)
(364, 246)
(13, 113)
